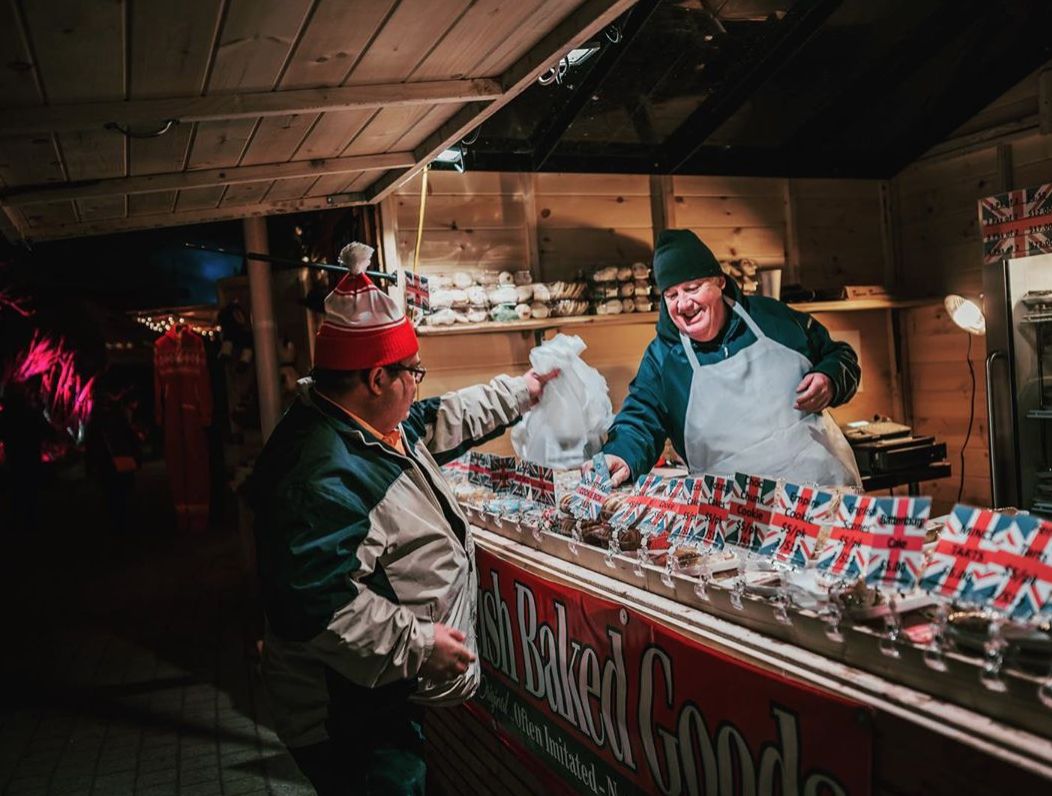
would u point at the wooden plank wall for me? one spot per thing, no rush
(941, 252)
(481, 220)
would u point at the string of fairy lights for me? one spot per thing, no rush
(161, 324)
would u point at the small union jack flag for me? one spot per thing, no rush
(1016, 224)
(657, 519)
(588, 498)
(845, 552)
(458, 468)
(711, 519)
(631, 511)
(542, 484)
(417, 293)
(678, 510)
(799, 513)
(964, 565)
(895, 547)
(503, 472)
(1026, 552)
(479, 469)
(749, 512)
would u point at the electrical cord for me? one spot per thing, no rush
(971, 417)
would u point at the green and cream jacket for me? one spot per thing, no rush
(361, 550)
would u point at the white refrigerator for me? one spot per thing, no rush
(1017, 302)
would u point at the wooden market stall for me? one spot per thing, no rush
(135, 116)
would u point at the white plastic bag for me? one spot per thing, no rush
(569, 424)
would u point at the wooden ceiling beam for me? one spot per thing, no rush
(586, 21)
(177, 219)
(139, 113)
(205, 178)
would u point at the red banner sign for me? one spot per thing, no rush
(611, 702)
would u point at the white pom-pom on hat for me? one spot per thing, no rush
(356, 257)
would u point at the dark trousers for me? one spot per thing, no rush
(384, 759)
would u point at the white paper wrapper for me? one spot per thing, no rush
(539, 310)
(505, 278)
(522, 277)
(541, 292)
(524, 293)
(462, 280)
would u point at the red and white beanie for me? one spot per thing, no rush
(363, 327)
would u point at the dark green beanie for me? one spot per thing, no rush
(679, 257)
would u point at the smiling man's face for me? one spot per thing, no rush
(697, 307)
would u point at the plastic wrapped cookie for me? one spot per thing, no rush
(628, 305)
(458, 299)
(504, 313)
(539, 310)
(541, 292)
(643, 304)
(627, 290)
(439, 281)
(624, 273)
(640, 271)
(478, 314)
(505, 278)
(608, 274)
(477, 296)
(441, 299)
(462, 280)
(523, 311)
(461, 316)
(488, 278)
(445, 317)
(613, 307)
(524, 293)
(643, 288)
(504, 294)
(522, 277)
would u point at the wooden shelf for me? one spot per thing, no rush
(491, 327)
(624, 319)
(861, 305)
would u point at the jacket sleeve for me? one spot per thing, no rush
(457, 421)
(327, 576)
(638, 432)
(836, 360)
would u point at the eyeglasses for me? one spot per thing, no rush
(417, 371)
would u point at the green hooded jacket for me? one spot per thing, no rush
(656, 405)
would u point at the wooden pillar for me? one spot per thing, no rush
(264, 331)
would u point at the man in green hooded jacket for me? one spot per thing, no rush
(739, 384)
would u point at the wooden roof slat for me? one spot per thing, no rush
(333, 132)
(170, 47)
(482, 28)
(18, 83)
(57, 214)
(147, 183)
(145, 204)
(249, 193)
(338, 34)
(254, 44)
(56, 231)
(292, 188)
(199, 198)
(248, 106)
(405, 40)
(101, 208)
(530, 32)
(588, 19)
(79, 48)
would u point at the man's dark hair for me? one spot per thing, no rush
(338, 381)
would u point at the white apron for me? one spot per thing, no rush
(740, 418)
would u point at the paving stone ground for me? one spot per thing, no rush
(127, 664)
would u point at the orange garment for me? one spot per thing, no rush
(392, 439)
(183, 406)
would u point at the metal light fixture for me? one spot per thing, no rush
(453, 156)
(966, 313)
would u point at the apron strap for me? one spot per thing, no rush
(692, 357)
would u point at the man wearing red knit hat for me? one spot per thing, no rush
(365, 558)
